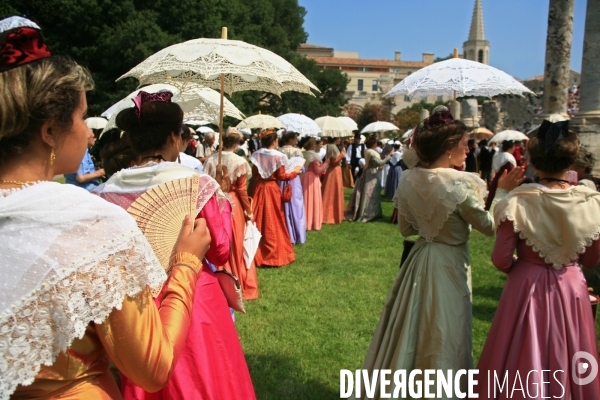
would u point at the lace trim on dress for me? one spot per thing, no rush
(570, 220)
(40, 325)
(236, 165)
(426, 198)
(268, 161)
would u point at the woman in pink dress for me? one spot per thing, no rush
(212, 364)
(311, 186)
(544, 318)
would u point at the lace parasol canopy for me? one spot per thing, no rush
(466, 77)
(245, 66)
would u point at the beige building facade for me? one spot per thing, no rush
(370, 79)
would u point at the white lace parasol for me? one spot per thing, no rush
(245, 66)
(300, 124)
(333, 127)
(260, 121)
(350, 122)
(197, 102)
(467, 78)
(509, 135)
(379, 126)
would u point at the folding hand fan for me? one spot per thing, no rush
(160, 211)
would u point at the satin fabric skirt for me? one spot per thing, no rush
(313, 200)
(544, 317)
(247, 276)
(295, 218)
(212, 365)
(365, 203)
(426, 320)
(333, 196)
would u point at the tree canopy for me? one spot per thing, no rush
(112, 36)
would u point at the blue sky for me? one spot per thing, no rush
(516, 29)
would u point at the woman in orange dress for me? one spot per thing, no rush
(238, 170)
(333, 187)
(275, 248)
(311, 186)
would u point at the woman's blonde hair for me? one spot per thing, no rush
(32, 94)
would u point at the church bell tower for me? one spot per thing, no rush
(477, 48)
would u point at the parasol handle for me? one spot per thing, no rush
(454, 103)
(223, 36)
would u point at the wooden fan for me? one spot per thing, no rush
(160, 211)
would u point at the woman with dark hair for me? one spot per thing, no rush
(77, 273)
(238, 170)
(333, 187)
(426, 320)
(212, 364)
(311, 186)
(365, 203)
(543, 320)
(269, 166)
(184, 158)
(503, 161)
(295, 216)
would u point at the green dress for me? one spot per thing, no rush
(426, 320)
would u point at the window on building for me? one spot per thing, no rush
(396, 70)
(406, 99)
(440, 98)
(374, 85)
(424, 98)
(361, 69)
(480, 56)
(408, 72)
(360, 85)
(367, 69)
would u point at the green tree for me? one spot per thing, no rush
(112, 36)
(372, 113)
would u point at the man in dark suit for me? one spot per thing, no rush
(485, 161)
(355, 153)
(253, 144)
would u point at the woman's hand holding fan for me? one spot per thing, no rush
(196, 241)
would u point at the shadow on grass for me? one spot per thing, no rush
(278, 377)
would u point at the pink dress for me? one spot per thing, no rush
(212, 365)
(544, 317)
(313, 199)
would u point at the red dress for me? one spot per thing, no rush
(247, 276)
(275, 248)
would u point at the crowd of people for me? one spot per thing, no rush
(83, 287)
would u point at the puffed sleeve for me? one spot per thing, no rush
(591, 257)
(280, 174)
(143, 341)
(220, 227)
(475, 214)
(504, 247)
(336, 161)
(406, 228)
(318, 167)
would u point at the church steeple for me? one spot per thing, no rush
(477, 32)
(477, 48)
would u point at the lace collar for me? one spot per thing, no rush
(426, 197)
(557, 223)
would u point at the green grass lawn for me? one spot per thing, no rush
(318, 315)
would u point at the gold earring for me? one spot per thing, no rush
(52, 156)
(450, 156)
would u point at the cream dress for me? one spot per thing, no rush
(427, 318)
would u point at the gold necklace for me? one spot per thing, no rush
(3, 182)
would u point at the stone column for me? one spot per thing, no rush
(587, 120)
(558, 57)
(470, 113)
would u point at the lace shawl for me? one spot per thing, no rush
(236, 165)
(427, 197)
(310, 156)
(557, 224)
(332, 152)
(291, 151)
(68, 258)
(268, 161)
